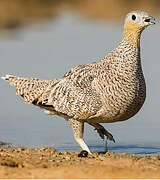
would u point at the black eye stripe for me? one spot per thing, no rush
(133, 17)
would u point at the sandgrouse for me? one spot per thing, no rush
(110, 90)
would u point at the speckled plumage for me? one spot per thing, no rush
(110, 90)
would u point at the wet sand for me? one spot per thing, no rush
(47, 163)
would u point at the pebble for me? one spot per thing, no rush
(68, 158)
(110, 154)
(66, 153)
(83, 154)
(19, 149)
(155, 157)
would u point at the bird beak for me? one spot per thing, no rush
(150, 20)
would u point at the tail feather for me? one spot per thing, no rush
(30, 89)
(13, 80)
(7, 77)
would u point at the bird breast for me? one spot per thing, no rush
(122, 89)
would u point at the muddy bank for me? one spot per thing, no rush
(47, 163)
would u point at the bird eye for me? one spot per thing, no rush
(133, 17)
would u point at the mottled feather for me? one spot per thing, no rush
(112, 89)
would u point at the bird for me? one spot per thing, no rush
(109, 90)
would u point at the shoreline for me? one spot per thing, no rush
(44, 162)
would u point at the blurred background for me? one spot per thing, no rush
(44, 39)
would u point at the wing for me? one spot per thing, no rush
(74, 95)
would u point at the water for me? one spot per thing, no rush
(51, 50)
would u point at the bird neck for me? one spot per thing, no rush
(132, 35)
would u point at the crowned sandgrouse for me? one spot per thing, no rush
(110, 90)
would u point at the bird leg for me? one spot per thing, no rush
(106, 147)
(78, 128)
(102, 131)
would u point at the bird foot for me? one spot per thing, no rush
(103, 132)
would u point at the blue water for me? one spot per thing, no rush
(139, 149)
(48, 51)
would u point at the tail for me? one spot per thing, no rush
(11, 79)
(31, 89)
(7, 77)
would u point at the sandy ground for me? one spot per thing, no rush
(47, 163)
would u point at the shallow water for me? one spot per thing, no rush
(48, 52)
(140, 149)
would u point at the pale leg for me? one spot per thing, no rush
(78, 128)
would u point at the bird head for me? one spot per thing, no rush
(135, 23)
